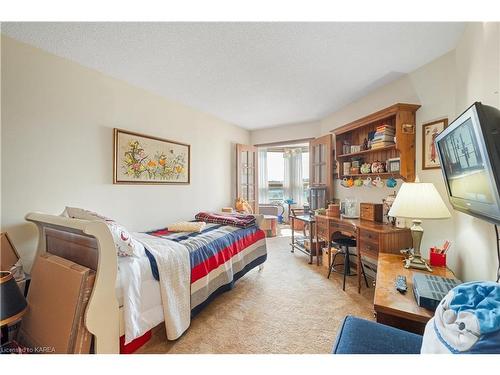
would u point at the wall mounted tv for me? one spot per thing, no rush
(469, 152)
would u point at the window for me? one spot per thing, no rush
(305, 174)
(275, 175)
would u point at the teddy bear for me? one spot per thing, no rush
(242, 206)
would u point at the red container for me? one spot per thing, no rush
(437, 260)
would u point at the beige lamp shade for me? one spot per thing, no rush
(419, 200)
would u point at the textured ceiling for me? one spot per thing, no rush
(251, 74)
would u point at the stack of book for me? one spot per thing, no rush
(384, 136)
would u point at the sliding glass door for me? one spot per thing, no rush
(247, 175)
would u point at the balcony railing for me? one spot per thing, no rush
(276, 191)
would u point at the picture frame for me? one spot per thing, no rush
(430, 131)
(145, 159)
(393, 165)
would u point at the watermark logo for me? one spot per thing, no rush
(25, 350)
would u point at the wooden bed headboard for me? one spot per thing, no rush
(78, 248)
(90, 244)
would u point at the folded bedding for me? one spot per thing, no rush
(237, 220)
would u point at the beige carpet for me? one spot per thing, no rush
(289, 307)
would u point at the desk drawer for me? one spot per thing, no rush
(369, 236)
(323, 232)
(340, 227)
(368, 249)
(322, 223)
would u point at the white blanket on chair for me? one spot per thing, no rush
(175, 282)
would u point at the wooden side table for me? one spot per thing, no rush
(298, 243)
(393, 308)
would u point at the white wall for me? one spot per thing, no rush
(477, 79)
(57, 124)
(286, 133)
(445, 88)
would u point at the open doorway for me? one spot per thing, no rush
(283, 178)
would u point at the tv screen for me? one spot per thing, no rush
(468, 150)
(465, 169)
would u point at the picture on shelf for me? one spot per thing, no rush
(393, 165)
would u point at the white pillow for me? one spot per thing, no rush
(187, 226)
(80, 213)
(126, 245)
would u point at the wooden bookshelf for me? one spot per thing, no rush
(401, 117)
(381, 175)
(367, 151)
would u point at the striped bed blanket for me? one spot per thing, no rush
(219, 256)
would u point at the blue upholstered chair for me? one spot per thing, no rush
(360, 336)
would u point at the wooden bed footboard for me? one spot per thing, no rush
(90, 244)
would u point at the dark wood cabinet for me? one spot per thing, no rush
(400, 117)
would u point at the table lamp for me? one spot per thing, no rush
(418, 200)
(13, 305)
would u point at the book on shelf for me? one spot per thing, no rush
(385, 137)
(385, 131)
(376, 145)
(390, 140)
(384, 127)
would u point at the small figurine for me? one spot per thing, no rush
(365, 144)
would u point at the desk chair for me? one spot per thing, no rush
(344, 242)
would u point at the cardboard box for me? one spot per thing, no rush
(326, 258)
(269, 225)
(316, 246)
(57, 300)
(297, 224)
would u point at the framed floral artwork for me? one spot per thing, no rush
(430, 130)
(144, 159)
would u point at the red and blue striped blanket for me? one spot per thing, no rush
(219, 255)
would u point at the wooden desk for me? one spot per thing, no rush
(393, 308)
(372, 238)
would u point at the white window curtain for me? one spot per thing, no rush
(293, 184)
(263, 178)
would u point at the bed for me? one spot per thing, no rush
(127, 296)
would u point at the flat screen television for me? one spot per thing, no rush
(469, 152)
